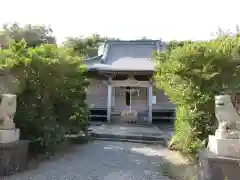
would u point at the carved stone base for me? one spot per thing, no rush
(213, 167)
(224, 147)
(8, 125)
(9, 135)
(238, 125)
(224, 134)
(13, 157)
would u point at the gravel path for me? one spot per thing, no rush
(101, 160)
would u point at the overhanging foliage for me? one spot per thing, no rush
(51, 99)
(191, 75)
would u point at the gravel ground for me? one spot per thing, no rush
(101, 160)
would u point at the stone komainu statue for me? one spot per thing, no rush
(7, 111)
(227, 117)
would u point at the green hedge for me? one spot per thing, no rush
(51, 94)
(191, 75)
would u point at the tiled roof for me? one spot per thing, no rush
(126, 55)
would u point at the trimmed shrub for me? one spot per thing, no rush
(51, 94)
(191, 75)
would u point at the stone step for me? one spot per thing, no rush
(129, 136)
(162, 142)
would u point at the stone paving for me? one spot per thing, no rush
(102, 160)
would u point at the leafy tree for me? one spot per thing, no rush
(174, 44)
(34, 35)
(86, 46)
(191, 75)
(51, 101)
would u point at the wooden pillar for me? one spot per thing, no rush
(109, 103)
(150, 103)
(113, 95)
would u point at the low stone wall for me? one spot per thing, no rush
(13, 157)
(213, 167)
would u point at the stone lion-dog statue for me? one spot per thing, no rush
(227, 117)
(7, 111)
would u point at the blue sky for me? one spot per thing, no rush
(126, 19)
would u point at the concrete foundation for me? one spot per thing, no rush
(213, 167)
(13, 157)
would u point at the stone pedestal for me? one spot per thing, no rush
(214, 167)
(238, 125)
(13, 152)
(8, 125)
(9, 135)
(13, 157)
(224, 147)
